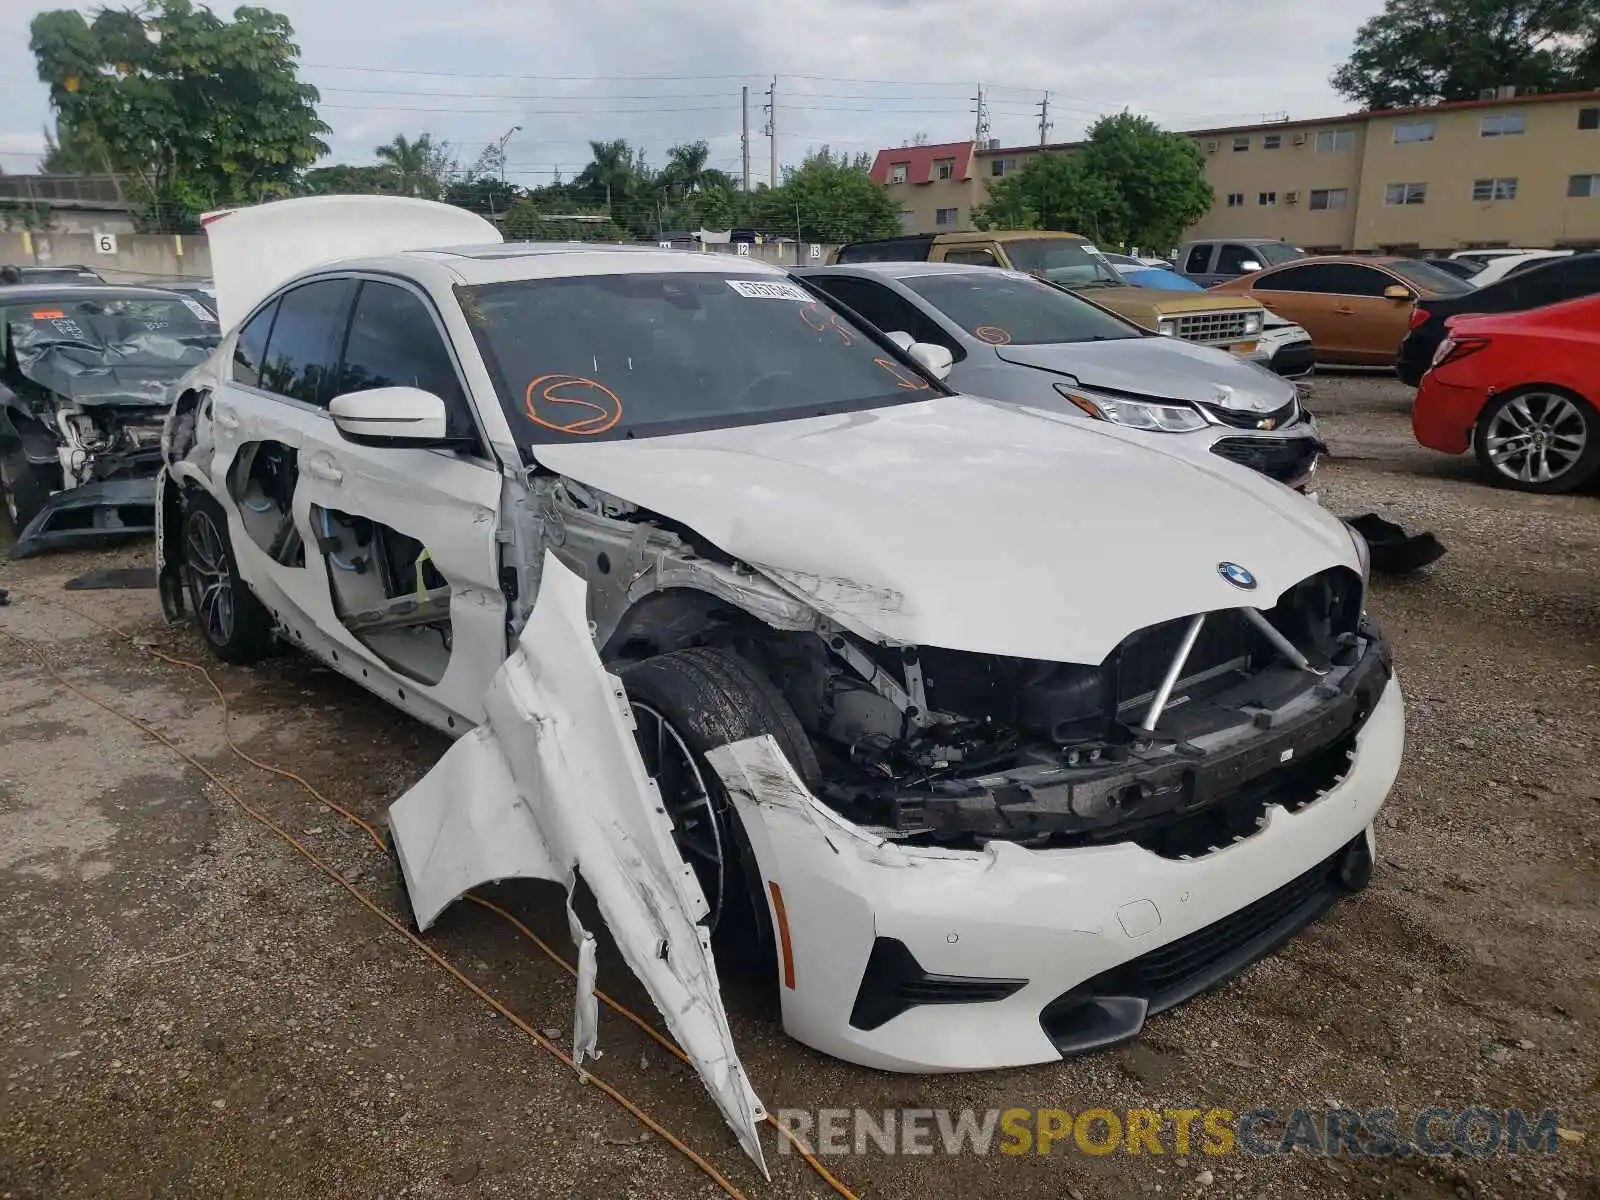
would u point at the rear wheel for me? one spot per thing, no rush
(23, 489)
(1539, 439)
(235, 625)
(686, 703)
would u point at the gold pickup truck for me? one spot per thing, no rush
(1226, 322)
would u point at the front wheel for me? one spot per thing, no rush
(688, 702)
(1539, 439)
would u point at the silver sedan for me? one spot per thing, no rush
(1016, 338)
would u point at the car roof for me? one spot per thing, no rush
(1360, 260)
(506, 262)
(897, 270)
(24, 293)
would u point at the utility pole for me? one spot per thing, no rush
(980, 131)
(744, 141)
(1045, 124)
(772, 131)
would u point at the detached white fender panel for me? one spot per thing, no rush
(550, 786)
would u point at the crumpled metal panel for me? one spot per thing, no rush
(106, 359)
(551, 785)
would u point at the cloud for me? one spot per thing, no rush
(855, 74)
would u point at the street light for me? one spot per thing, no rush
(500, 148)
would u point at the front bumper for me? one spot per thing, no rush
(110, 508)
(1059, 932)
(1286, 352)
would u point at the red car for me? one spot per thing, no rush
(1522, 390)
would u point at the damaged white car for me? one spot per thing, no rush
(987, 733)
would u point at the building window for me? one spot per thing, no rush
(1494, 189)
(944, 216)
(1002, 166)
(1589, 118)
(1583, 187)
(1330, 140)
(1267, 198)
(944, 168)
(1272, 141)
(1413, 131)
(1322, 198)
(1235, 199)
(1502, 125)
(1405, 193)
(897, 172)
(908, 220)
(1241, 143)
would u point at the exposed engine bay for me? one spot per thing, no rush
(83, 394)
(1179, 740)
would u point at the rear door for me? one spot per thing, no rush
(403, 539)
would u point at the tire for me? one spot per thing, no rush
(235, 625)
(706, 697)
(1569, 424)
(23, 490)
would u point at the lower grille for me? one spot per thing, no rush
(1226, 326)
(1171, 974)
(1288, 460)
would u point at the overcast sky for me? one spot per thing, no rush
(855, 74)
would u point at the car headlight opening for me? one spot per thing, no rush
(1150, 416)
(1253, 322)
(1167, 328)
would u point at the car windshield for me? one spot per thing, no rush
(1004, 308)
(624, 356)
(1273, 253)
(1431, 279)
(1071, 262)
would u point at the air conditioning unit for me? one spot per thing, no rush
(1299, 139)
(1211, 147)
(1291, 197)
(1486, 93)
(1506, 91)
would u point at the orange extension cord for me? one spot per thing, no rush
(326, 868)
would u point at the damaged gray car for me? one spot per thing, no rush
(85, 377)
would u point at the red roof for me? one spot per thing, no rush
(919, 162)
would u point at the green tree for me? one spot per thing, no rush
(1056, 191)
(421, 168)
(545, 215)
(1422, 51)
(342, 179)
(190, 109)
(488, 196)
(828, 198)
(1159, 178)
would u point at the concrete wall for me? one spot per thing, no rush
(138, 256)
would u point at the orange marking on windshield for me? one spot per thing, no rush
(992, 334)
(49, 314)
(911, 383)
(596, 411)
(814, 309)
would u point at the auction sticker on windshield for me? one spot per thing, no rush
(757, 289)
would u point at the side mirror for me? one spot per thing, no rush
(1395, 292)
(935, 360)
(1249, 265)
(391, 416)
(902, 339)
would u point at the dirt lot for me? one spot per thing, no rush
(188, 1008)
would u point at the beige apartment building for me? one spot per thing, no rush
(1511, 170)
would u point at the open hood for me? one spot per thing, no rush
(255, 249)
(976, 525)
(1161, 368)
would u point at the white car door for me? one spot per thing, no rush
(406, 536)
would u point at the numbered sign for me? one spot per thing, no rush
(105, 243)
(742, 249)
(815, 251)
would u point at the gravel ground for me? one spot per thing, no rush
(187, 1008)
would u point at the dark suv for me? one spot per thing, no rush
(1546, 282)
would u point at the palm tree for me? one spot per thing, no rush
(415, 164)
(613, 170)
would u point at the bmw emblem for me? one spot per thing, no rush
(1237, 575)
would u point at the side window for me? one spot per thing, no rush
(1316, 278)
(1231, 260)
(251, 346)
(1199, 260)
(975, 258)
(303, 352)
(887, 311)
(394, 342)
(1348, 279)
